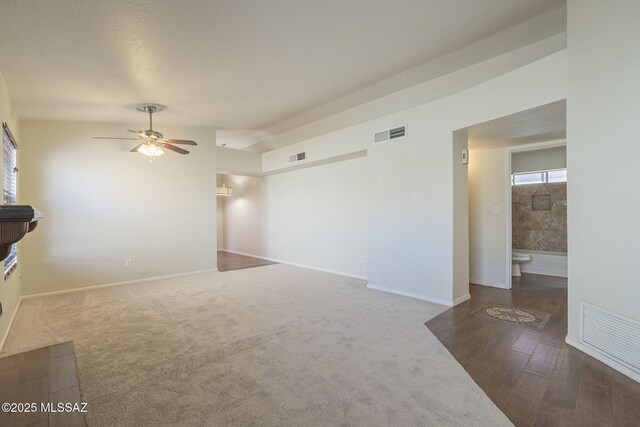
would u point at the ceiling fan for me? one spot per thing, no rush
(152, 142)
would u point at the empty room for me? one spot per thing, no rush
(318, 213)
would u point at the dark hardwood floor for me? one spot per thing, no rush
(534, 377)
(228, 261)
(45, 375)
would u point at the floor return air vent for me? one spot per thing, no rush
(613, 335)
(389, 134)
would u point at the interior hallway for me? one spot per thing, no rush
(533, 376)
(228, 261)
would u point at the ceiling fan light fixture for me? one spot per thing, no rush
(151, 142)
(150, 150)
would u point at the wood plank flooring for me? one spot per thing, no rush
(228, 261)
(45, 375)
(534, 377)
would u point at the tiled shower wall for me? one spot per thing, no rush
(539, 217)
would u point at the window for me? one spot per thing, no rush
(527, 178)
(558, 175)
(9, 170)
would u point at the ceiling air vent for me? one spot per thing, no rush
(389, 134)
(298, 157)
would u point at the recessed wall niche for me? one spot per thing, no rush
(541, 202)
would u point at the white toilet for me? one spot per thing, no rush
(517, 259)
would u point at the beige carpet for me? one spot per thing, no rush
(271, 346)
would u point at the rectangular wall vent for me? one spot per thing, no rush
(389, 134)
(612, 335)
(297, 157)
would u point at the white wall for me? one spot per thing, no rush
(11, 289)
(460, 266)
(488, 232)
(410, 196)
(603, 131)
(243, 213)
(315, 216)
(220, 215)
(539, 160)
(550, 264)
(103, 204)
(318, 216)
(230, 161)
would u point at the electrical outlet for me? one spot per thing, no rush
(128, 263)
(362, 259)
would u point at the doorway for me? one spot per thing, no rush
(239, 222)
(491, 146)
(538, 210)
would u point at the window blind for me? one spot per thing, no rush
(9, 172)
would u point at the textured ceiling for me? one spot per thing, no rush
(228, 64)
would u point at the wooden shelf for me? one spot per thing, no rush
(15, 222)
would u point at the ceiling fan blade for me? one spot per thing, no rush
(181, 141)
(174, 148)
(136, 147)
(134, 131)
(111, 137)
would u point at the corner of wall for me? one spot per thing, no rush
(11, 289)
(460, 274)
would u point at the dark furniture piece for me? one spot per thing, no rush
(15, 222)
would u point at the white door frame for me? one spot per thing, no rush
(508, 152)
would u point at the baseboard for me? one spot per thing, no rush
(6, 333)
(110, 285)
(253, 256)
(409, 294)
(544, 271)
(462, 299)
(294, 264)
(487, 283)
(604, 359)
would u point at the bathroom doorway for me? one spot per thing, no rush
(533, 308)
(538, 209)
(491, 146)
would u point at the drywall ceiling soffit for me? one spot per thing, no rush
(232, 65)
(544, 123)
